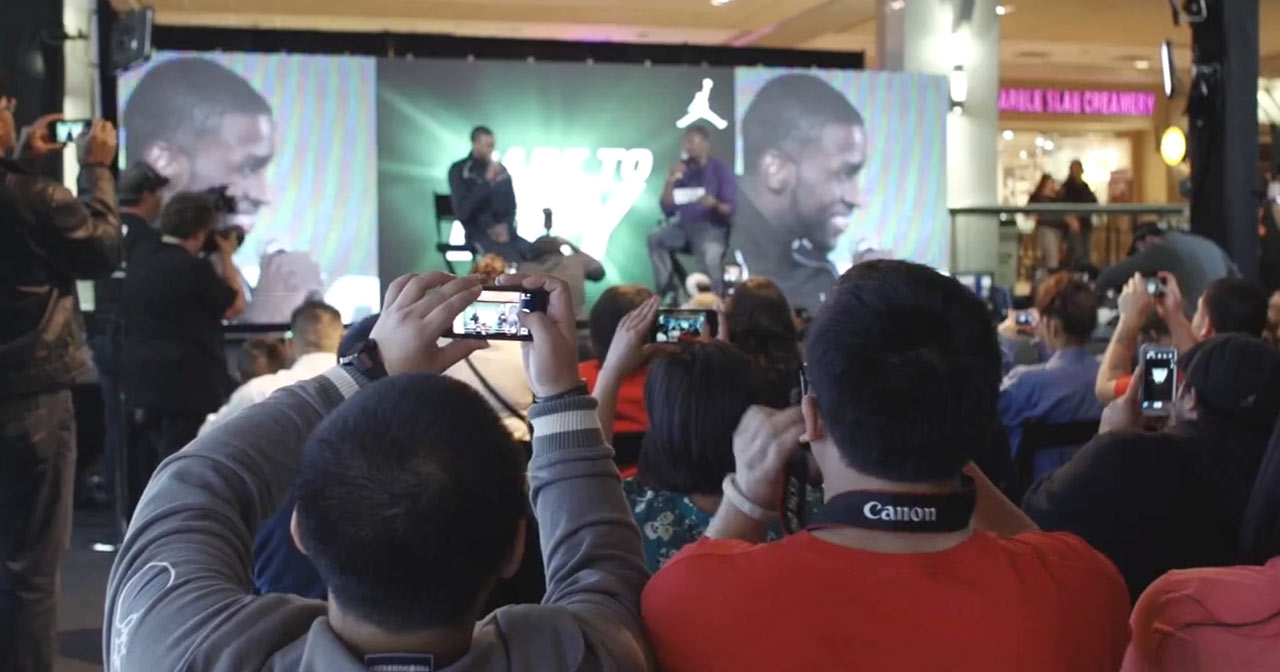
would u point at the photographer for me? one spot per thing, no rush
(48, 240)
(175, 372)
(411, 499)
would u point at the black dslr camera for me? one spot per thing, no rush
(224, 204)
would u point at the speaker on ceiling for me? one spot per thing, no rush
(131, 39)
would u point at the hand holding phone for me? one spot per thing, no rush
(67, 130)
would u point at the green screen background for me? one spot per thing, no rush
(427, 108)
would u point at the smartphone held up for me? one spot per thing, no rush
(676, 324)
(495, 316)
(1159, 379)
(67, 130)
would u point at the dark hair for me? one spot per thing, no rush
(763, 327)
(1260, 528)
(186, 214)
(1046, 177)
(1237, 306)
(316, 326)
(610, 308)
(699, 130)
(409, 498)
(182, 99)
(357, 335)
(790, 112)
(1071, 302)
(479, 131)
(906, 371)
(695, 393)
(259, 357)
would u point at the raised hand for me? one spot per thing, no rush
(627, 351)
(417, 312)
(763, 442)
(551, 358)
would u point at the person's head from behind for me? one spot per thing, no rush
(762, 325)
(140, 191)
(482, 143)
(695, 393)
(316, 327)
(1047, 186)
(1230, 380)
(490, 266)
(410, 504)
(189, 219)
(1068, 310)
(1076, 171)
(904, 374)
(1146, 235)
(201, 125)
(1231, 306)
(259, 357)
(697, 143)
(805, 145)
(613, 305)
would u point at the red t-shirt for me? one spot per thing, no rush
(1037, 601)
(629, 416)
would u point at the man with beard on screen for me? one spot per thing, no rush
(203, 126)
(804, 146)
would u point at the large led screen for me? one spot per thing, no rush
(829, 165)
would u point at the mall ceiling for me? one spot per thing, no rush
(1082, 41)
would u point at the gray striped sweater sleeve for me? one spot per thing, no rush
(592, 550)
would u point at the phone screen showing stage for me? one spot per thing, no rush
(675, 326)
(1159, 378)
(495, 315)
(65, 130)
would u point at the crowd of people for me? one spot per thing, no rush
(377, 496)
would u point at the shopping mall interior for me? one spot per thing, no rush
(968, 104)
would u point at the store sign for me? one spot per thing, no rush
(1100, 103)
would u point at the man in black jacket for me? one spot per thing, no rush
(484, 201)
(48, 239)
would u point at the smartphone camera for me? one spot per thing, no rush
(1159, 379)
(677, 325)
(1155, 287)
(1024, 318)
(67, 130)
(496, 314)
(732, 277)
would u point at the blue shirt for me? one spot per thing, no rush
(1057, 391)
(717, 178)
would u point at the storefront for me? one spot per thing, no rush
(1114, 133)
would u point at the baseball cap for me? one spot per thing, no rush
(1236, 376)
(138, 179)
(1143, 230)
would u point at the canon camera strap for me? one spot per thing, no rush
(898, 511)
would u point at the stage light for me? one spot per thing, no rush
(1173, 146)
(1142, 64)
(1007, 134)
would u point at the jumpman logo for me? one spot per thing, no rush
(700, 108)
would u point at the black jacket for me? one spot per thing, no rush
(477, 202)
(48, 240)
(1155, 502)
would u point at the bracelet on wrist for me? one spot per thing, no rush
(579, 390)
(734, 495)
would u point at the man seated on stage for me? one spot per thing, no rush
(699, 197)
(804, 145)
(484, 201)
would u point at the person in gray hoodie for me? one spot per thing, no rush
(410, 503)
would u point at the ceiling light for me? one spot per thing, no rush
(1048, 146)
(1002, 10)
(1142, 64)
(1022, 154)
(1173, 146)
(897, 5)
(1039, 141)
(719, 3)
(1007, 135)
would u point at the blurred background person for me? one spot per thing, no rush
(1049, 228)
(761, 324)
(484, 201)
(1194, 260)
(1079, 227)
(49, 238)
(175, 372)
(556, 256)
(698, 198)
(315, 332)
(259, 357)
(627, 422)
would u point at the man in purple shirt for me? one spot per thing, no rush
(699, 199)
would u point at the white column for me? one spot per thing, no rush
(934, 37)
(80, 97)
